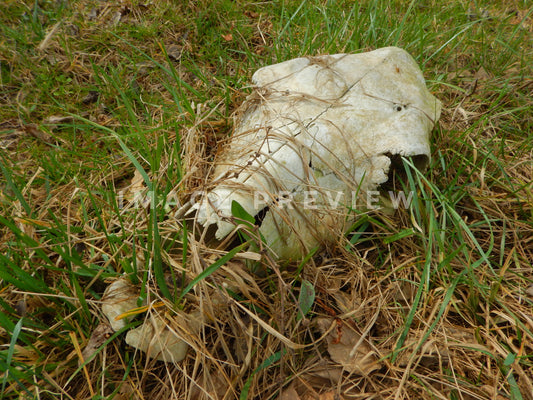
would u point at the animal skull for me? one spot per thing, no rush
(317, 135)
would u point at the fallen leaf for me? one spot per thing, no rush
(174, 52)
(33, 130)
(91, 97)
(481, 74)
(346, 348)
(328, 396)
(100, 334)
(144, 67)
(127, 392)
(57, 119)
(228, 37)
(93, 14)
(210, 386)
(251, 14)
(136, 189)
(320, 375)
(7, 140)
(437, 349)
(289, 393)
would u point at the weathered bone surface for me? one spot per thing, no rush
(159, 340)
(154, 337)
(315, 135)
(119, 298)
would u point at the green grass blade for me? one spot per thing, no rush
(156, 250)
(11, 351)
(11, 185)
(306, 299)
(274, 358)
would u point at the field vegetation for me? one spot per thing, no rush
(102, 100)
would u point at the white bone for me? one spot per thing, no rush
(323, 124)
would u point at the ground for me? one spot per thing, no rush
(102, 100)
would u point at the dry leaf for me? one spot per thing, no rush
(228, 37)
(289, 393)
(57, 119)
(174, 52)
(481, 74)
(126, 392)
(436, 349)
(93, 14)
(332, 373)
(251, 14)
(492, 392)
(101, 333)
(90, 97)
(7, 140)
(210, 386)
(32, 130)
(403, 291)
(328, 396)
(320, 374)
(346, 348)
(136, 187)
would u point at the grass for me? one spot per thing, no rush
(100, 99)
